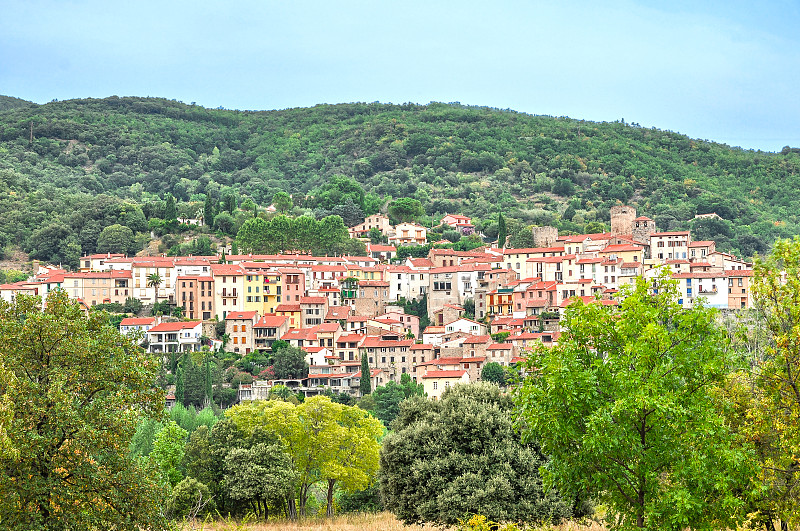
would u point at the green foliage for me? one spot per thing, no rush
(168, 451)
(502, 233)
(91, 159)
(406, 209)
(493, 372)
(448, 458)
(388, 397)
(191, 498)
(73, 391)
(116, 239)
(9, 276)
(289, 362)
(624, 407)
(325, 441)
(365, 382)
(769, 402)
(325, 237)
(282, 202)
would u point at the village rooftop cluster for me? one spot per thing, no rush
(340, 309)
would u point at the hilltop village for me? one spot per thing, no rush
(485, 305)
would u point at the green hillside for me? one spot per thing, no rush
(97, 162)
(9, 102)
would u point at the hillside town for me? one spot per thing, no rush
(485, 305)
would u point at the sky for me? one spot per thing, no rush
(723, 71)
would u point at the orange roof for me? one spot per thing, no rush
(271, 321)
(174, 327)
(241, 315)
(137, 321)
(445, 374)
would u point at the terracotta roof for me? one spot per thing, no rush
(174, 327)
(421, 346)
(477, 340)
(271, 321)
(500, 346)
(137, 321)
(444, 374)
(313, 300)
(241, 315)
(286, 307)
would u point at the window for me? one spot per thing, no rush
(435, 385)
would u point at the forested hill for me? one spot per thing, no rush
(69, 165)
(9, 102)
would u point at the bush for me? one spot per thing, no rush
(191, 498)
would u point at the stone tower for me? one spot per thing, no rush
(643, 227)
(622, 220)
(544, 236)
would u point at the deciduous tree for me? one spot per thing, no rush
(624, 408)
(73, 392)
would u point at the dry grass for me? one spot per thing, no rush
(361, 522)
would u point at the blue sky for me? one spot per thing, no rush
(723, 71)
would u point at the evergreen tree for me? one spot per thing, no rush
(208, 211)
(170, 212)
(179, 385)
(501, 231)
(365, 386)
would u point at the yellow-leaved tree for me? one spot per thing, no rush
(325, 441)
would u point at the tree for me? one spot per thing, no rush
(772, 401)
(225, 223)
(387, 401)
(325, 441)
(289, 362)
(282, 202)
(116, 239)
(406, 209)
(261, 475)
(170, 212)
(365, 383)
(154, 280)
(73, 391)
(460, 455)
(501, 231)
(493, 372)
(624, 406)
(168, 448)
(208, 211)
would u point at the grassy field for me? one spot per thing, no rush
(361, 522)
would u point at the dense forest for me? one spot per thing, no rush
(70, 169)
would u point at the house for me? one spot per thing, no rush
(462, 224)
(435, 382)
(239, 328)
(195, 294)
(182, 336)
(269, 329)
(138, 326)
(375, 221)
(467, 326)
(408, 234)
(384, 253)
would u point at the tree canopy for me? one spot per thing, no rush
(73, 391)
(451, 458)
(624, 407)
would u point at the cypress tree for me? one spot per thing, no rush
(179, 385)
(208, 212)
(170, 212)
(501, 231)
(365, 386)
